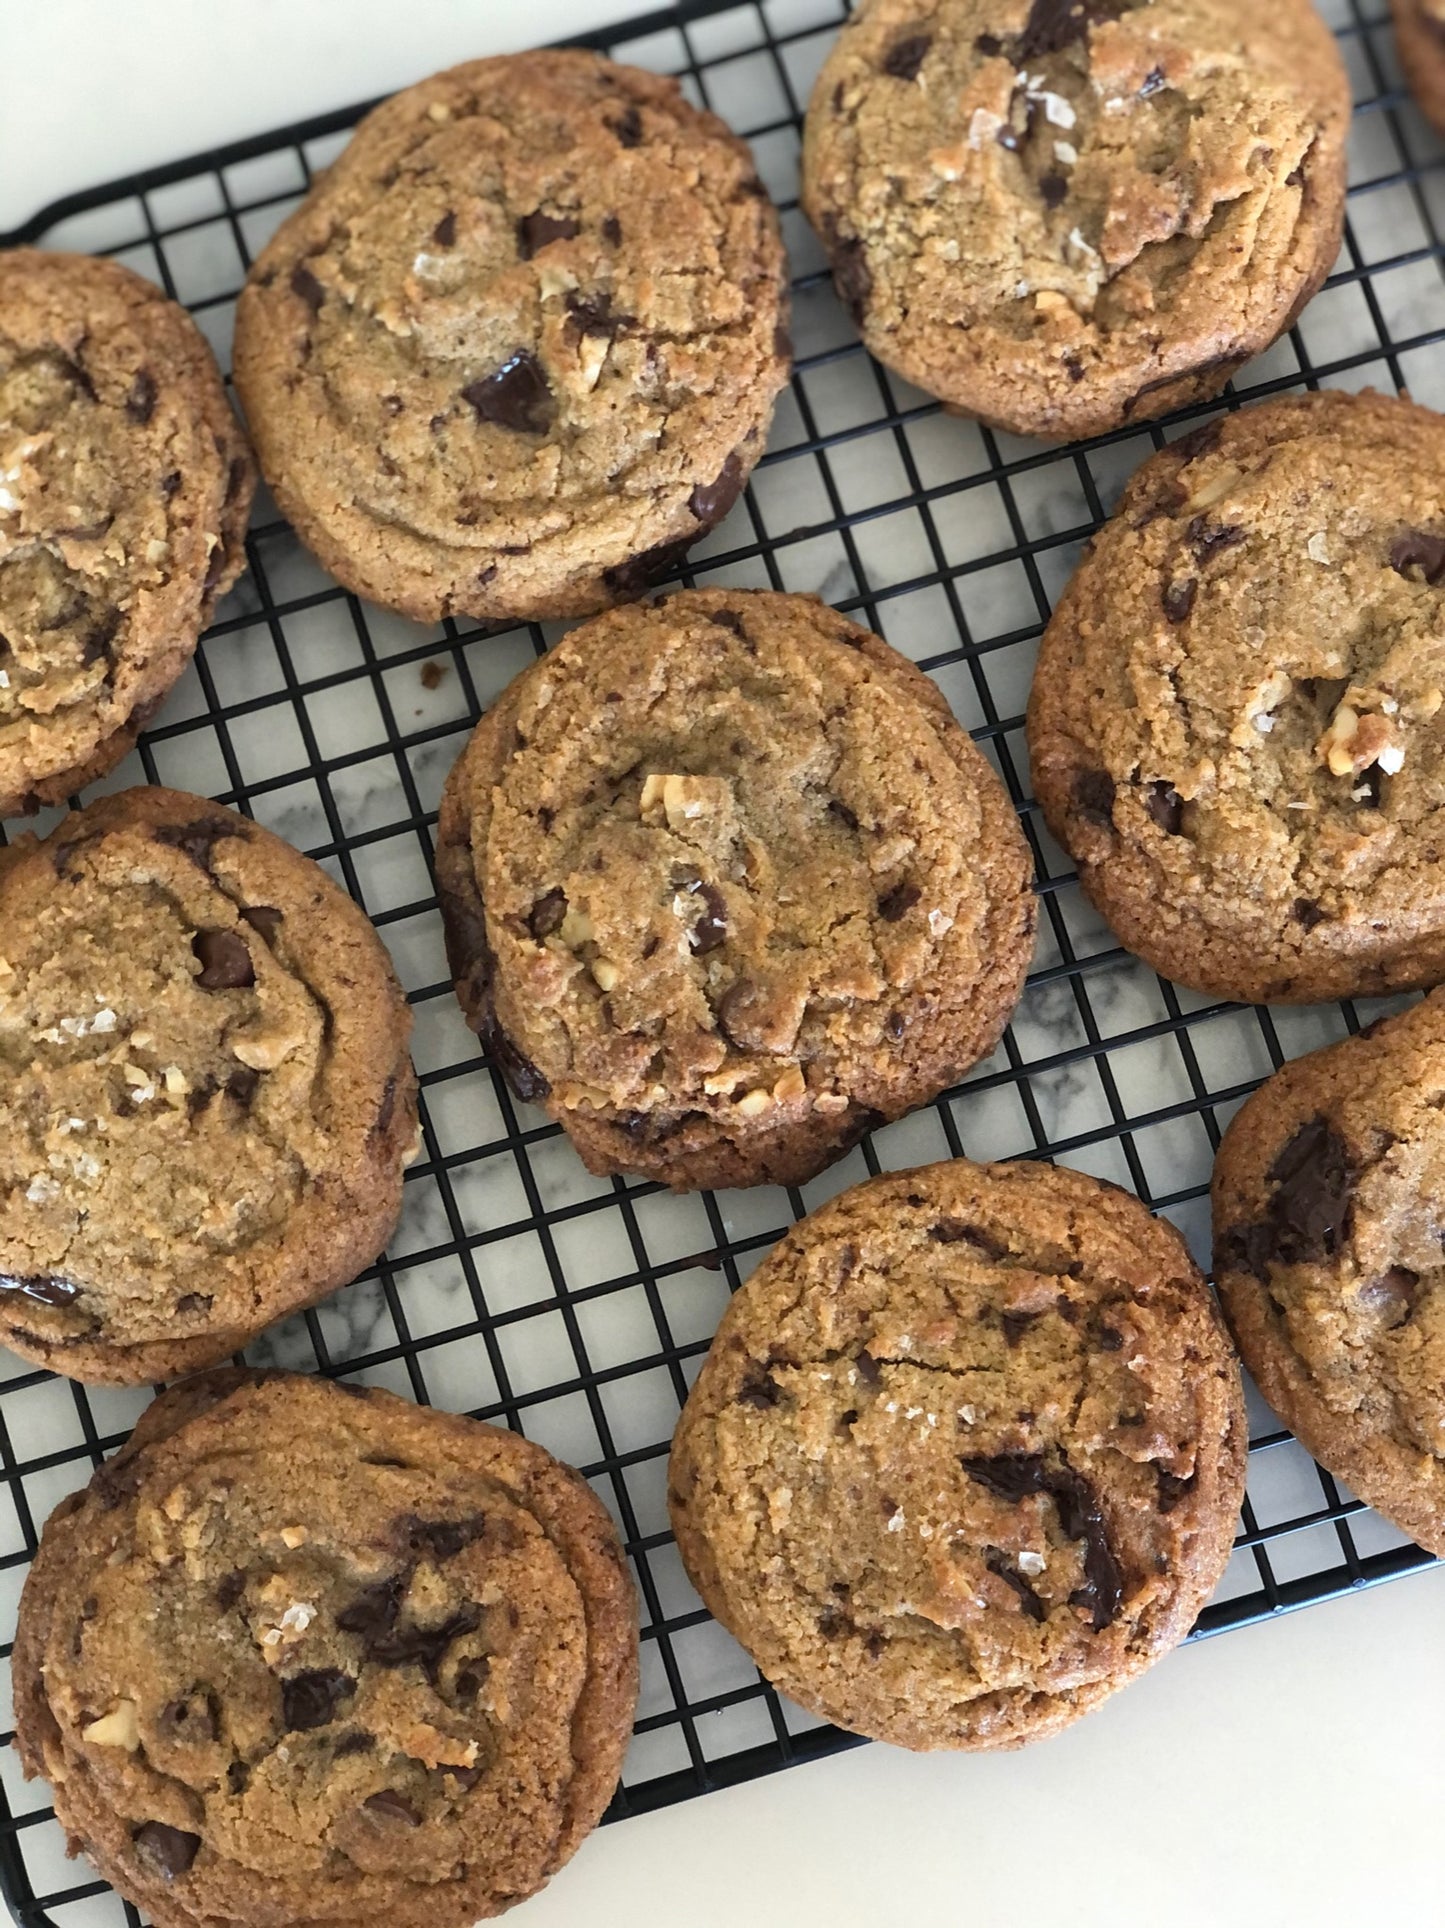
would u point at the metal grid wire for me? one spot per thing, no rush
(575, 1309)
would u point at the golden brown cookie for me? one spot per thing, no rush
(1420, 37)
(1072, 214)
(206, 1100)
(725, 885)
(519, 347)
(125, 484)
(1329, 1219)
(298, 1657)
(1236, 724)
(967, 1454)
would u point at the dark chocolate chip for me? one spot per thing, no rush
(238, 1777)
(265, 919)
(904, 58)
(1316, 1179)
(710, 931)
(1053, 187)
(165, 1850)
(628, 128)
(1166, 807)
(373, 1612)
(358, 1741)
(1029, 1602)
(1308, 913)
(1209, 541)
(870, 1373)
(1179, 598)
(539, 230)
(196, 839)
(548, 914)
(638, 573)
(1110, 1339)
(711, 501)
(444, 234)
(311, 1699)
(140, 403)
(442, 1540)
(728, 619)
(1172, 1488)
(895, 1024)
(426, 1646)
(1093, 797)
(957, 1231)
(759, 1389)
(242, 1085)
(989, 45)
(1423, 552)
(43, 1287)
(225, 962)
(229, 1590)
(515, 396)
(1054, 25)
(526, 1081)
(1013, 1476)
(594, 314)
(852, 277)
(388, 1805)
(898, 902)
(305, 284)
(1016, 1324)
(612, 231)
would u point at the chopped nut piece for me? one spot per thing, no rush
(753, 1104)
(118, 1728)
(606, 974)
(294, 1536)
(1213, 491)
(791, 1086)
(576, 928)
(831, 1101)
(264, 1050)
(177, 1083)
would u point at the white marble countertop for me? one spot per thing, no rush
(1288, 1773)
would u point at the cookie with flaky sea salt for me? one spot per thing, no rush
(519, 347)
(1072, 214)
(1236, 724)
(299, 1657)
(1328, 1234)
(206, 1101)
(125, 484)
(967, 1454)
(725, 885)
(1420, 37)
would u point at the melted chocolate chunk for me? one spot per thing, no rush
(1178, 600)
(443, 1540)
(526, 1081)
(305, 284)
(548, 914)
(514, 396)
(904, 58)
(759, 1389)
(1308, 913)
(165, 1850)
(388, 1805)
(1423, 552)
(1308, 1215)
(140, 403)
(710, 931)
(1053, 25)
(628, 128)
(1029, 1602)
(373, 1612)
(1013, 1476)
(1209, 541)
(225, 962)
(539, 230)
(630, 578)
(1093, 797)
(710, 502)
(43, 1287)
(311, 1699)
(196, 839)
(229, 1590)
(426, 1646)
(957, 1231)
(1166, 807)
(1054, 188)
(898, 902)
(852, 276)
(265, 919)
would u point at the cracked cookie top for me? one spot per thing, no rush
(966, 1454)
(125, 484)
(1328, 1235)
(205, 1093)
(725, 882)
(520, 346)
(1236, 723)
(1062, 215)
(298, 1656)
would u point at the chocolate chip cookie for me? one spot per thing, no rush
(1068, 215)
(125, 484)
(1328, 1229)
(966, 1455)
(1236, 723)
(205, 1095)
(294, 1657)
(725, 884)
(520, 346)
(1420, 37)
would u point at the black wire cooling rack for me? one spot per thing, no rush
(576, 1309)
